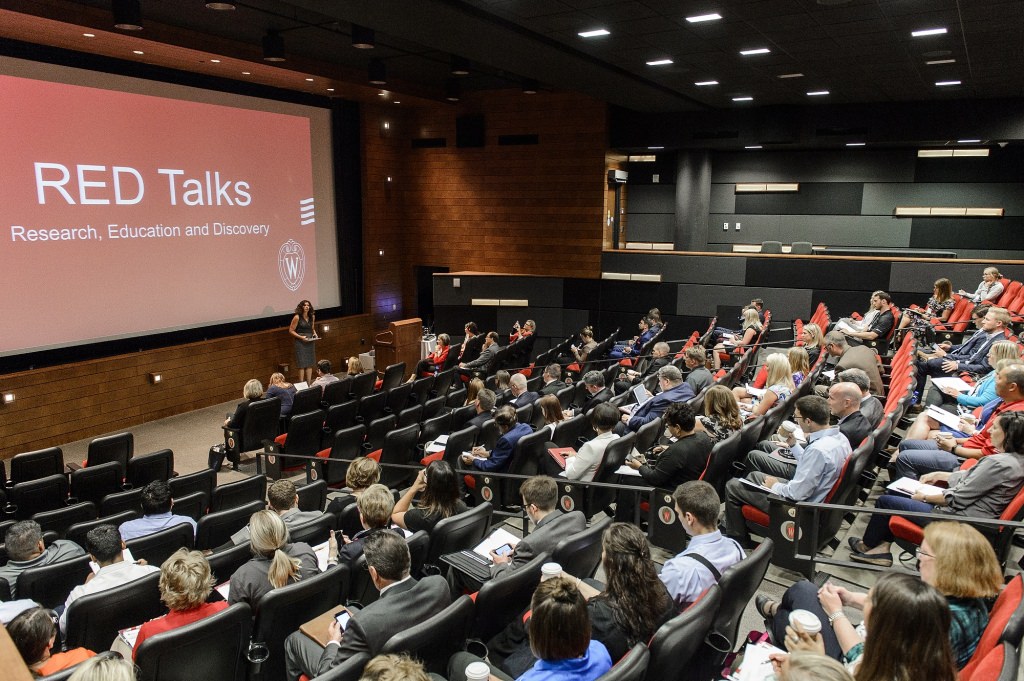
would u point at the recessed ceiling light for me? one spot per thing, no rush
(89, 35)
(759, 50)
(704, 17)
(936, 62)
(742, 99)
(817, 93)
(928, 31)
(791, 75)
(946, 83)
(397, 102)
(752, 146)
(653, 148)
(309, 80)
(246, 73)
(215, 61)
(855, 144)
(595, 33)
(330, 89)
(659, 62)
(968, 141)
(138, 52)
(705, 83)
(382, 94)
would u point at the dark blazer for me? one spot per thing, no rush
(653, 365)
(471, 348)
(528, 397)
(683, 461)
(398, 608)
(479, 420)
(501, 455)
(862, 357)
(855, 427)
(551, 388)
(656, 406)
(238, 418)
(597, 399)
(551, 529)
(882, 325)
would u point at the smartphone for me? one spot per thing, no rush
(503, 550)
(342, 619)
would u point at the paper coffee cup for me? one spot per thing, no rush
(549, 570)
(788, 427)
(477, 671)
(805, 621)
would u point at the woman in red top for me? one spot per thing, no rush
(185, 584)
(435, 360)
(33, 632)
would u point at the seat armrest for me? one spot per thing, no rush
(72, 466)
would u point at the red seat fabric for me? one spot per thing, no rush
(430, 458)
(755, 515)
(375, 455)
(989, 667)
(324, 453)
(1005, 605)
(281, 439)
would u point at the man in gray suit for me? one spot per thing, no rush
(283, 499)
(540, 500)
(403, 603)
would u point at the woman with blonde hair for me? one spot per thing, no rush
(988, 290)
(721, 413)
(750, 331)
(185, 584)
(472, 390)
(355, 367)
(587, 343)
(279, 387)
(105, 667)
(360, 474)
(252, 392)
(275, 562)
(779, 387)
(799, 364)
(814, 341)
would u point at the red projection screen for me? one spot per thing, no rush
(131, 207)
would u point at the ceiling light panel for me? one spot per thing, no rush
(924, 32)
(594, 33)
(702, 18)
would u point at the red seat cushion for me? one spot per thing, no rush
(431, 458)
(1005, 605)
(906, 530)
(755, 515)
(470, 481)
(324, 453)
(375, 455)
(989, 667)
(377, 385)
(281, 439)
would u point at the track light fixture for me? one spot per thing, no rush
(363, 38)
(452, 90)
(127, 14)
(377, 73)
(273, 46)
(460, 66)
(530, 86)
(212, 4)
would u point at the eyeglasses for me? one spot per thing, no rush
(921, 553)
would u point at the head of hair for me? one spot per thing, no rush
(551, 408)
(1000, 314)
(779, 371)
(814, 408)
(835, 338)
(560, 626)
(661, 347)
(362, 472)
(805, 666)
(604, 416)
(394, 668)
(700, 499)
(655, 315)
(277, 378)
(441, 495)
(816, 340)
(298, 308)
(994, 271)
(486, 399)
(530, 324)
(751, 318)
(185, 580)
(471, 327)
(324, 366)
(541, 491)
(883, 295)
(858, 377)
(897, 652)
(473, 389)
(587, 332)
(444, 339)
(253, 389)
(943, 289)
(493, 336)
(22, 540)
(798, 360)
(505, 417)
(594, 378)
(156, 498)
(695, 353)
(721, 403)
(355, 366)
(518, 380)
(104, 667)
(281, 495)
(103, 543)
(680, 415)
(965, 563)
(375, 504)
(757, 302)
(502, 379)
(980, 310)
(1012, 424)
(671, 374)
(632, 585)
(31, 632)
(268, 536)
(388, 554)
(553, 371)
(1004, 349)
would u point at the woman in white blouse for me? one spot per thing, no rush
(584, 465)
(989, 289)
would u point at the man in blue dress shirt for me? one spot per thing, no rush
(156, 513)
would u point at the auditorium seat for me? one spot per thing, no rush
(313, 532)
(500, 601)
(347, 444)
(362, 385)
(119, 448)
(60, 519)
(253, 488)
(398, 398)
(306, 401)
(302, 439)
(157, 547)
(94, 620)
(193, 505)
(219, 641)
(458, 532)
(143, 470)
(38, 464)
(771, 247)
(580, 554)
(312, 497)
(632, 666)
(224, 563)
(676, 642)
(77, 532)
(204, 480)
(97, 481)
(215, 529)
(393, 376)
(399, 448)
(49, 585)
(262, 423)
(338, 392)
(436, 639)
(35, 496)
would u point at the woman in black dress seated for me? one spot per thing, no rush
(279, 387)
(252, 392)
(440, 499)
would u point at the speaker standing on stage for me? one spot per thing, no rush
(303, 328)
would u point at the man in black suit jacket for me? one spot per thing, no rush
(485, 401)
(552, 380)
(594, 383)
(520, 395)
(648, 367)
(844, 403)
(403, 603)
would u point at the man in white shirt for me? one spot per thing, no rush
(106, 548)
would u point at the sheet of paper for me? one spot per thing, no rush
(223, 589)
(756, 665)
(497, 538)
(830, 374)
(301, 385)
(909, 486)
(954, 382)
(751, 483)
(321, 551)
(626, 470)
(756, 392)
(944, 417)
(130, 635)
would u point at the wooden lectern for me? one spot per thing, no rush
(400, 343)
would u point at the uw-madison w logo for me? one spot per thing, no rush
(291, 263)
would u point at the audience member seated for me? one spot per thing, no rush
(909, 629)
(560, 637)
(939, 306)
(520, 395)
(721, 416)
(551, 379)
(360, 474)
(551, 409)
(603, 418)
(107, 550)
(502, 380)
(26, 549)
(844, 404)
(283, 499)
(879, 326)
(989, 290)
(275, 561)
(324, 377)
(870, 405)
(696, 361)
(632, 348)
(720, 331)
(354, 367)
(433, 362)
(156, 513)
(817, 469)
(471, 333)
(488, 353)
(551, 525)
(587, 344)
(799, 364)
(708, 554)
(593, 382)
(982, 491)
(779, 387)
(735, 341)
(403, 603)
(520, 332)
(970, 356)
(855, 357)
(499, 458)
(485, 401)
(813, 340)
(946, 452)
(375, 507)
(984, 391)
(673, 389)
(848, 324)
(107, 667)
(438, 489)
(473, 389)
(654, 314)
(659, 358)
(34, 633)
(185, 584)
(279, 387)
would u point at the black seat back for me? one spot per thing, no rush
(119, 448)
(60, 519)
(262, 422)
(719, 469)
(647, 435)
(393, 375)
(422, 387)
(312, 497)
(77, 532)
(128, 500)
(458, 532)
(614, 456)
(224, 563)
(435, 427)
(347, 444)
(204, 480)
(433, 407)
(398, 397)
(399, 447)
(216, 529)
(443, 380)
(94, 620)
(49, 585)
(738, 584)
(97, 481)
(219, 641)
(193, 505)
(377, 431)
(632, 666)
(40, 494)
(38, 464)
(410, 416)
(238, 493)
(459, 442)
(306, 400)
(677, 641)
(143, 470)
(304, 433)
(501, 600)
(580, 554)
(363, 384)
(337, 392)
(340, 416)
(569, 431)
(371, 407)
(436, 639)
(313, 532)
(158, 547)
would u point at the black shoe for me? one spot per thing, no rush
(879, 559)
(857, 545)
(762, 604)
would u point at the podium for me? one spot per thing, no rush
(400, 343)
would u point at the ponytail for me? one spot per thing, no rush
(283, 569)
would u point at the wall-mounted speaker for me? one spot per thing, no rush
(470, 131)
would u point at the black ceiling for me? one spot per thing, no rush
(858, 50)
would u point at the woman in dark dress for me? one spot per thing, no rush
(279, 387)
(303, 329)
(440, 499)
(252, 392)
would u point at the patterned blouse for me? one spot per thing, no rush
(934, 309)
(716, 430)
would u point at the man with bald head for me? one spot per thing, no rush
(521, 396)
(844, 404)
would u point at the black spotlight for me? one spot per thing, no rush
(452, 91)
(530, 86)
(363, 38)
(377, 72)
(273, 46)
(460, 66)
(127, 14)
